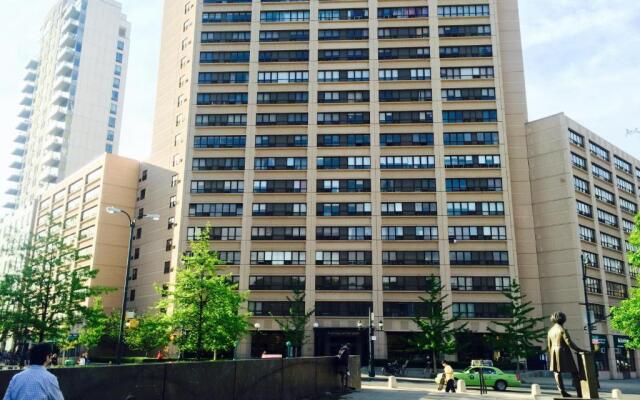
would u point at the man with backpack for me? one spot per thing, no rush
(343, 365)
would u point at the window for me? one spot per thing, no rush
(584, 209)
(389, 96)
(225, 17)
(343, 209)
(89, 213)
(217, 186)
(358, 75)
(576, 138)
(410, 258)
(145, 173)
(134, 274)
(472, 161)
(598, 151)
(479, 257)
(222, 77)
(173, 201)
(398, 53)
(282, 119)
(389, 209)
(628, 206)
(460, 73)
(280, 163)
(278, 258)
(407, 185)
(167, 267)
(474, 184)
(406, 139)
(343, 258)
(218, 164)
(405, 310)
(138, 233)
(272, 308)
(225, 37)
(143, 194)
(277, 282)
(283, 97)
(613, 265)
(284, 16)
(136, 253)
(607, 218)
(221, 98)
(581, 185)
(601, 173)
(343, 185)
(407, 162)
(215, 209)
(229, 257)
(409, 233)
(280, 186)
(132, 295)
(168, 245)
(343, 97)
(615, 289)
(592, 257)
(622, 165)
(73, 204)
(221, 119)
(481, 310)
(343, 233)
(464, 30)
(343, 54)
(477, 233)
(627, 226)
(279, 209)
(466, 51)
(343, 162)
(342, 308)
(343, 283)
(405, 283)
(279, 233)
(216, 233)
(475, 208)
(283, 77)
(343, 118)
(91, 194)
(625, 185)
(301, 35)
(283, 56)
(604, 195)
(174, 180)
(94, 175)
(403, 33)
(480, 283)
(406, 74)
(171, 222)
(593, 285)
(281, 140)
(223, 57)
(586, 234)
(406, 117)
(578, 161)
(459, 117)
(343, 14)
(403, 12)
(478, 94)
(481, 10)
(348, 140)
(610, 242)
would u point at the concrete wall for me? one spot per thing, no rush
(284, 379)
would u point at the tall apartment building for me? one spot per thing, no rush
(73, 99)
(347, 148)
(585, 197)
(77, 206)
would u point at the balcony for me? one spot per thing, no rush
(56, 128)
(21, 138)
(68, 40)
(60, 98)
(24, 125)
(14, 191)
(49, 175)
(33, 65)
(17, 177)
(25, 113)
(54, 143)
(16, 165)
(72, 12)
(64, 69)
(19, 151)
(66, 54)
(52, 159)
(29, 88)
(27, 101)
(31, 76)
(70, 26)
(58, 114)
(10, 205)
(63, 83)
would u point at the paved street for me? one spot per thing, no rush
(415, 389)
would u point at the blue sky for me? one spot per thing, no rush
(581, 57)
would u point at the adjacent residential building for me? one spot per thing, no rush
(585, 197)
(77, 207)
(73, 99)
(350, 149)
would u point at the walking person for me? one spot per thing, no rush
(35, 382)
(448, 378)
(343, 365)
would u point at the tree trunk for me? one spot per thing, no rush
(433, 362)
(215, 355)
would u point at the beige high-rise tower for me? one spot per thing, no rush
(347, 148)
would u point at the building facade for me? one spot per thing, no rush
(585, 197)
(77, 207)
(73, 99)
(350, 149)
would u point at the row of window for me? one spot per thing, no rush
(360, 75)
(394, 53)
(348, 118)
(601, 153)
(614, 289)
(481, 10)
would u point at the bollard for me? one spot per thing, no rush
(616, 394)
(392, 383)
(462, 387)
(535, 390)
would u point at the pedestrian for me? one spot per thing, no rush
(448, 378)
(35, 382)
(160, 355)
(343, 365)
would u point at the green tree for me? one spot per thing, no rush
(97, 327)
(149, 333)
(522, 335)
(52, 289)
(437, 330)
(625, 317)
(294, 324)
(205, 305)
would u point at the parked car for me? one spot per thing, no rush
(494, 378)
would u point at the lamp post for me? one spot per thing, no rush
(372, 339)
(586, 262)
(132, 225)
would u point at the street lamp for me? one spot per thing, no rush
(372, 338)
(132, 225)
(257, 326)
(586, 262)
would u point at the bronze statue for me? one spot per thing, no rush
(560, 357)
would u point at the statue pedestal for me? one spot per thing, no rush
(589, 382)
